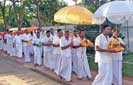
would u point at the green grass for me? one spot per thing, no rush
(127, 68)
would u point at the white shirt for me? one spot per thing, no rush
(9, 39)
(102, 42)
(26, 37)
(37, 40)
(17, 39)
(81, 51)
(118, 56)
(56, 41)
(64, 42)
(46, 40)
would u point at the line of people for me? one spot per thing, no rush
(62, 52)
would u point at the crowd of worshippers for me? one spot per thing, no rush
(60, 51)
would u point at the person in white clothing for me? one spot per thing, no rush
(103, 58)
(10, 44)
(1, 42)
(26, 45)
(83, 69)
(66, 57)
(57, 51)
(17, 42)
(30, 45)
(75, 42)
(117, 60)
(48, 47)
(37, 42)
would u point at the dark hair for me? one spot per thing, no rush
(75, 31)
(58, 30)
(47, 31)
(104, 26)
(66, 31)
(81, 31)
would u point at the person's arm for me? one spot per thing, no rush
(122, 43)
(65, 47)
(98, 43)
(77, 46)
(55, 45)
(104, 50)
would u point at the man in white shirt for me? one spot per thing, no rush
(82, 61)
(75, 41)
(17, 42)
(10, 43)
(66, 57)
(26, 45)
(103, 58)
(37, 42)
(117, 60)
(1, 42)
(57, 51)
(48, 47)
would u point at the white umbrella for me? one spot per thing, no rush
(116, 12)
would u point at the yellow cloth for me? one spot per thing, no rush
(86, 43)
(29, 41)
(115, 44)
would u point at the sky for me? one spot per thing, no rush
(71, 2)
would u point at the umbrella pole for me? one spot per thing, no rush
(100, 30)
(128, 37)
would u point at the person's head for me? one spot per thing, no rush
(106, 29)
(26, 31)
(82, 33)
(52, 31)
(38, 30)
(10, 32)
(31, 33)
(66, 34)
(38, 34)
(17, 32)
(75, 33)
(59, 32)
(48, 33)
(116, 32)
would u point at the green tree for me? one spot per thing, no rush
(3, 11)
(48, 8)
(20, 8)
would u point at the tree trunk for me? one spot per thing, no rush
(38, 16)
(17, 15)
(3, 8)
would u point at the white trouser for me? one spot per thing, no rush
(74, 61)
(117, 72)
(10, 49)
(37, 55)
(47, 62)
(57, 63)
(19, 50)
(104, 76)
(31, 48)
(66, 68)
(83, 67)
(27, 53)
(1, 44)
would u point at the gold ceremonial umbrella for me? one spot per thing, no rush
(74, 15)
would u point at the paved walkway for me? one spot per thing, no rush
(51, 75)
(12, 73)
